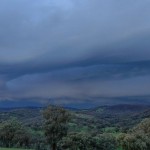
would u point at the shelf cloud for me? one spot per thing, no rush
(74, 49)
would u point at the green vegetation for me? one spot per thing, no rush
(55, 125)
(138, 138)
(104, 128)
(13, 149)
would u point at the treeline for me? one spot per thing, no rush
(55, 136)
(137, 138)
(13, 134)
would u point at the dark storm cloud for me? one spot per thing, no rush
(72, 48)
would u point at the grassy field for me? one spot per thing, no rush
(13, 149)
(27, 149)
(119, 149)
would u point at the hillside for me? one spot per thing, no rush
(118, 116)
(85, 124)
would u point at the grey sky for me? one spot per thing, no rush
(74, 49)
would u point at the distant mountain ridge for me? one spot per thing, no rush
(122, 108)
(76, 103)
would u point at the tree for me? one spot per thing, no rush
(76, 141)
(8, 130)
(13, 133)
(138, 138)
(55, 125)
(86, 141)
(144, 127)
(105, 141)
(22, 137)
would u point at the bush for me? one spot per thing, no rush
(138, 138)
(13, 134)
(83, 141)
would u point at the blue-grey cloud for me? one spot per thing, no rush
(72, 48)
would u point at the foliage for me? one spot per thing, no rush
(84, 141)
(105, 141)
(138, 138)
(13, 133)
(55, 125)
(87, 129)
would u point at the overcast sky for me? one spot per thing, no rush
(74, 49)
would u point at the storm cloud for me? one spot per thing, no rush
(69, 50)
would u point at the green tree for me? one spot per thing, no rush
(143, 127)
(8, 130)
(14, 134)
(86, 141)
(76, 141)
(138, 138)
(105, 141)
(22, 137)
(55, 125)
